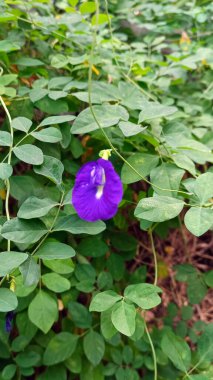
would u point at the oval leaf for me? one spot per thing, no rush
(8, 300)
(10, 261)
(55, 250)
(29, 153)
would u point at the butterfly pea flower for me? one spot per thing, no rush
(97, 191)
(9, 321)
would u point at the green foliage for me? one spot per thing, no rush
(77, 78)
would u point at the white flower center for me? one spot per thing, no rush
(100, 188)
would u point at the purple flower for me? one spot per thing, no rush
(8, 321)
(97, 191)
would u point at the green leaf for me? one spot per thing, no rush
(198, 220)
(61, 266)
(142, 162)
(22, 290)
(35, 207)
(154, 110)
(6, 171)
(7, 79)
(196, 289)
(203, 187)
(94, 347)
(21, 231)
(55, 282)
(55, 250)
(177, 351)
(57, 94)
(102, 19)
(159, 208)
(59, 60)
(10, 261)
(56, 120)
(37, 94)
(30, 271)
(166, 176)
(29, 153)
(184, 162)
(51, 106)
(123, 318)
(9, 372)
(93, 247)
(5, 138)
(60, 348)
(51, 135)
(130, 129)
(144, 295)
(43, 311)
(107, 328)
(27, 359)
(80, 315)
(208, 277)
(29, 62)
(8, 300)
(87, 7)
(21, 124)
(205, 343)
(75, 225)
(7, 46)
(104, 300)
(107, 115)
(51, 168)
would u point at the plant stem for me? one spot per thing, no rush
(153, 352)
(7, 181)
(154, 255)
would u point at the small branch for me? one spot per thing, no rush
(7, 181)
(154, 255)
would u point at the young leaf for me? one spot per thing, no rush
(43, 311)
(144, 295)
(123, 318)
(104, 301)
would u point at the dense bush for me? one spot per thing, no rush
(78, 299)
